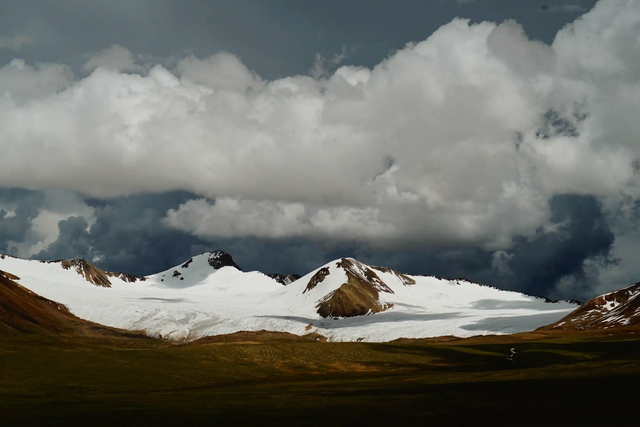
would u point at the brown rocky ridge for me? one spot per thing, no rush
(93, 274)
(360, 295)
(316, 279)
(615, 309)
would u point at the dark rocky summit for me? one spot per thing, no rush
(218, 259)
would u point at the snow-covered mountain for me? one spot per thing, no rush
(344, 300)
(618, 308)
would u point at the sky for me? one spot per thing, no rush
(493, 140)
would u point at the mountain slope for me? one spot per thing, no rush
(400, 305)
(618, 308)
(93, 274)
(344, 300)
(25, 312)
(358, 295)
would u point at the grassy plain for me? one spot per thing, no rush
(556, 380)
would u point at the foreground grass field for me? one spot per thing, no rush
(555, 380)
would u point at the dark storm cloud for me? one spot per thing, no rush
(73, 241)
(127, 235)
(573, 8)
(18, 208)
(583, 234)
(535, 265)
(274, 38)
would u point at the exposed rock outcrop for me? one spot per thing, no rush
(218, 259)
(90, 273)
(316, 279)
(359, 296)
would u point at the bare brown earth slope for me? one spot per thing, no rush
(25, 312)
(616, 309)
(360, 294)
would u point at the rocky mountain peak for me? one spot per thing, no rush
(218, 259)
(359, 294)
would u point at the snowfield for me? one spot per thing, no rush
(194, 300)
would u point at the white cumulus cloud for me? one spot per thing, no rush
(462, 138)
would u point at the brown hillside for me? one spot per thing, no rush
(25, 312)
(612, 310)
(360, 295)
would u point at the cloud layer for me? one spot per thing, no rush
(462, 140)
